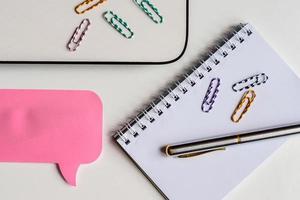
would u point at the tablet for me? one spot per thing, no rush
(38, 32)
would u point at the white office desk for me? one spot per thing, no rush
(124, 89)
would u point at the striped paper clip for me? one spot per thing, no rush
(87, 5)
(118, 24)
(250, 82)
(211, 95)
(150, 10)
(243, 106)
(78, 35)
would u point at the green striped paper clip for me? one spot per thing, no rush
(150, 10)
(118, 24)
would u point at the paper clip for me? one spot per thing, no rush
(89, 4)
(150, 10)
(78, 35)
(118, 24)
(243, 106)
(211, 95)
(252, 81)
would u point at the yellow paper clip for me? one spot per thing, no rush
(243, 106)
(87, 5)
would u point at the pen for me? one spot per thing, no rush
(199, 147)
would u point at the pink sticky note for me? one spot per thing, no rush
(48, 126)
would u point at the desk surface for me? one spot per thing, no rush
(125, 88)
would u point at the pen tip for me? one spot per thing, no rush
(166, 150)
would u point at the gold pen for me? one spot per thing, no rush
(195, 148)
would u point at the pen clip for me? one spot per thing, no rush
(189, 155)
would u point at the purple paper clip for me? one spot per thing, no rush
(211, 95)
(78, 35)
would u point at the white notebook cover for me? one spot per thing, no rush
(213, 175)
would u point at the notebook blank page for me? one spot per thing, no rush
(213, 175)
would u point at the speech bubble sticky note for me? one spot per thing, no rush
(48, 126)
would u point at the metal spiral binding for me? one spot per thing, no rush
(164, 101)
(213, 58)
(180, 87)
(131, 130)
(189, 80)
(123, 137)
(197, 72)
(157, 110)
(229, 43)
(222, 51)
(148, 116)
(206, 67)
(140, 124)
(237, 35)
(173, 95)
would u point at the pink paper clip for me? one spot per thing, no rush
(78, 35)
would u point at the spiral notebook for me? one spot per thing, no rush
(176, 116)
